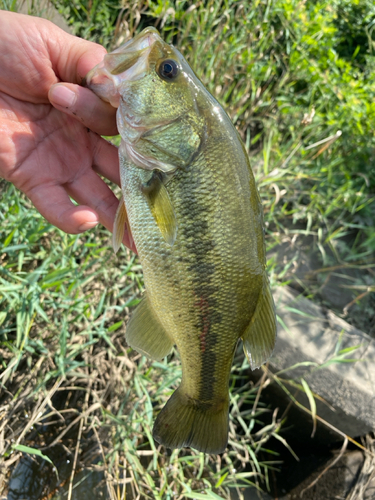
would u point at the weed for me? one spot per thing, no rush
(297, 80)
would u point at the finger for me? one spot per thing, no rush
(90, 190)
(100, 198)
(54, 204)
(105, 158)
(72, 57)
(85, 106)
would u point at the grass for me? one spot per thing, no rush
(65, 364)
(297, 80)
(292, 75)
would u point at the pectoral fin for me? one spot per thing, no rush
(259, 337)
(121, 223)
(145, 333)
(161, 207)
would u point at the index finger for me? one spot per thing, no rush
(85, 106)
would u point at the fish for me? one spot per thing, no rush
(190, 202)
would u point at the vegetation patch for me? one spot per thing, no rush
(297, 79)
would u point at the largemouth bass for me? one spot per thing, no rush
(190, 201)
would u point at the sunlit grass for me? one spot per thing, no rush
(65, 300)
(296, 78)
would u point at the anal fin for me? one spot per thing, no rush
(260, 335)
(145, 334)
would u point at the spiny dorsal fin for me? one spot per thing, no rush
(161, 207)
(259, 337)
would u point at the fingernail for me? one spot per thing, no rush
(87, 225)
(62, 96)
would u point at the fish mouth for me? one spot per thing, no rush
(127, 63)
(132, 55)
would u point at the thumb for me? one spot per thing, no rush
(72, 57)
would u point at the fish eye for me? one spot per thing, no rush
(168, 69)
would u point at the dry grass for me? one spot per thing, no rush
(71, 390)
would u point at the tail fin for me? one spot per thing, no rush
(182, 422)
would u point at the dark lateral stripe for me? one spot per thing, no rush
(199, 243)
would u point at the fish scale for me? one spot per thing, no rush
(191, 203)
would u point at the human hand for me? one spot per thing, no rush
(51, 152)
